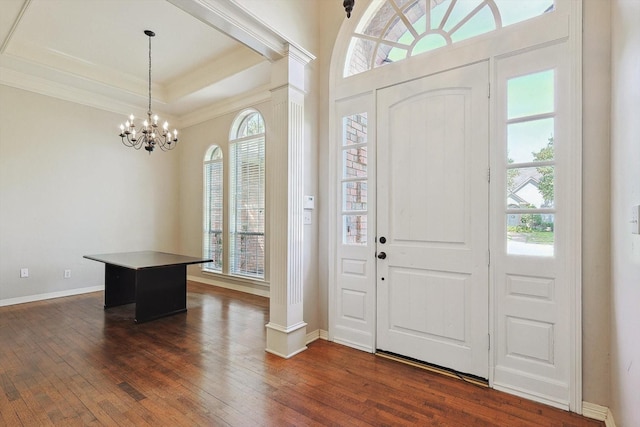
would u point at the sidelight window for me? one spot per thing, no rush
(530, 180)
(354, 179)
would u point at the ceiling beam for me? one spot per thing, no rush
(237, 23)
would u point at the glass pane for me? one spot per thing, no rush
(416, 14)
(354, 161)
(401, 3)
(213, 153)
(397, 32)
(359, 56)
(354, 229)
(394, 54)
(461, 9)
(213, 245)
(517, 11)
(213, 218)
(247, 207)
(354, 196)
(248, 254)
(437, 13)
(354, 129)
(387, 54)
(407, 39)
(530, 94)
(530, 188)
(530, 141)
(429, 42)
(482, 22)
(252, 124)
(530, 234)
(380, 20)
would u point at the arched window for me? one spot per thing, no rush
(392, 30)
(213, 209)
(247, 195)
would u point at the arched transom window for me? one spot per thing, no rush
(392, 30)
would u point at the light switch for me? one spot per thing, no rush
(635, 219)
(308, 202)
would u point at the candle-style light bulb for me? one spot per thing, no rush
(165, 126)
(131, 118)
(146, 123)
(121, 128)
(155, 119)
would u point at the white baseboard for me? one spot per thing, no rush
(232, 286)
(317, 334)
(50, 295)
(598, 412)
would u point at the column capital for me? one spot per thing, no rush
(290, 70)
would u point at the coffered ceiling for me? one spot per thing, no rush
(205, 53)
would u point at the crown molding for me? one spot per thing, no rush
(10, 77)
(36, 58)
(259, 95)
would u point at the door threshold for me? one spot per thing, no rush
(472, 379)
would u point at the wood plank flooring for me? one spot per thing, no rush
(68, 362)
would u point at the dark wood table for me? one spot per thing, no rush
(155, 281)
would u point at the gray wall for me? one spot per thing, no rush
(596, 248)
(625, 193)
(68, 187)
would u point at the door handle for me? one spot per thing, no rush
(382, 255)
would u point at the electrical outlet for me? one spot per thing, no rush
(24, 272)
(67, 274)
(635, 219)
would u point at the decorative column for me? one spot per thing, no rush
(286, 330)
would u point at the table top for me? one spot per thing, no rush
(146, 259)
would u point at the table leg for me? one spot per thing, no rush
(160, 291)
(119, 285)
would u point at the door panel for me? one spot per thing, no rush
(432, 209)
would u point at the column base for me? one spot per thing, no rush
(286, 342)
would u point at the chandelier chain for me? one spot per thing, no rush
(149, 111)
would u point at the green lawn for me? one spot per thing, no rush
(540, 237)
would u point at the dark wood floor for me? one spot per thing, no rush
(69, 362)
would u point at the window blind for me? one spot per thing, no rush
(213, 214)
(247, 172)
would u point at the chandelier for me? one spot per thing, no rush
(149, 135)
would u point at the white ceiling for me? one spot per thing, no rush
(95, 52)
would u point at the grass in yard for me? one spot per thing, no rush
(540, 237)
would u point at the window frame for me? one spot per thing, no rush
(209, 163)
(242, 136)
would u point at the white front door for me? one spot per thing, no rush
(432, 219)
